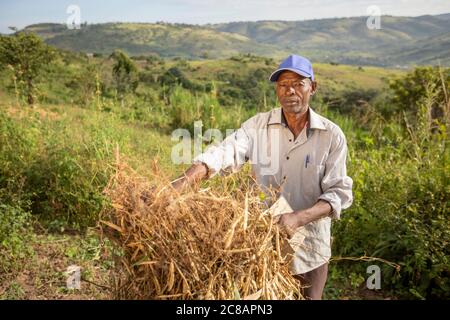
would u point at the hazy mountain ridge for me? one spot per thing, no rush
(400, 41)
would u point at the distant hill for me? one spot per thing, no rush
(348, 40)
(401, 41)
(434, 50)
(166, 40)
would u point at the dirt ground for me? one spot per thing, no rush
(42, 275)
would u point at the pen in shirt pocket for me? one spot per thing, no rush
(307, 161)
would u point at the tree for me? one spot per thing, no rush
(125, 72)
(409, 90)
(26, 54)
(175, 76)
(85, 83)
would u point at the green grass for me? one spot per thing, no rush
(61, 159)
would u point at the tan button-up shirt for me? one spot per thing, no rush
(304, 170)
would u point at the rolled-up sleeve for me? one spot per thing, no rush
(229, 155)
(336, 185)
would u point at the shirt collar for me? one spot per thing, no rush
(315, 122)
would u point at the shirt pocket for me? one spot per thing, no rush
(311, 179)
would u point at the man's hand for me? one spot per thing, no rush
(289, 222)
(194, 174)
(293, 220)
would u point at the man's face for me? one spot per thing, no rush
(294, 91)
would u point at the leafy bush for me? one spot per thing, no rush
(186, 108)
(400, 211)
(26, 54)
(409, 90)
(125, 72)
(15, 230)
(47, 168)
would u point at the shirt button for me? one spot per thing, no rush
(290, 140)
(287, 158)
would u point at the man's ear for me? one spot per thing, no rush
(313, 87)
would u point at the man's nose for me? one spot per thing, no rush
(290, 90)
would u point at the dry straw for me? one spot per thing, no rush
(217, 243)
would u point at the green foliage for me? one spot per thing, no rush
(409, 90)
(58, 167)
(400, 211)
(124, 72)
(15, 228)
(185, 108)
(26, 54)
(252, 89)
(56, 172)
(174, 76)
(86, 84)
(352, 101)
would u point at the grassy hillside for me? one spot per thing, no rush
(433, 50)
(369, 77)
(401, 41)
(166, 40)
(247, 78)
(348, 40)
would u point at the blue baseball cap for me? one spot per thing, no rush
(294, 63)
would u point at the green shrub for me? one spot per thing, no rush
(50, 169)
(15, 231)
(409, 90)
(400, 211)
(57, 168)
(186, 108)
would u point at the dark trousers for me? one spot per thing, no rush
(313, 282)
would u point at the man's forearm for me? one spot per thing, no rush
(291, 221)
(320, 210)
(194, 174)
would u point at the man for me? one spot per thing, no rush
(300, 153)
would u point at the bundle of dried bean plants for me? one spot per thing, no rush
(215, 243)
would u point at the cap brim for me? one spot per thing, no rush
(274, 76)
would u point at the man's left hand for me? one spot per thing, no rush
(291, 221)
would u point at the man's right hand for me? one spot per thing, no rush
(194, 174)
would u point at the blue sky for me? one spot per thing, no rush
(20, 13)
